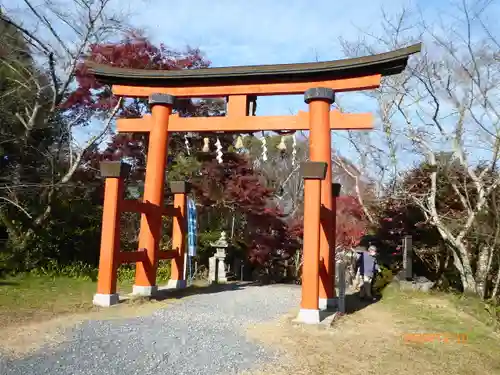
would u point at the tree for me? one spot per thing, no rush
(351, 222)
(230, 194)
(235, 186)
(74, 169)
(39, 154)
(445, 100)
(281, 169)
(355, 182)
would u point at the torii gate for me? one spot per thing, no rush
(240, 85)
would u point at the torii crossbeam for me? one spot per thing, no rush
(239, 85)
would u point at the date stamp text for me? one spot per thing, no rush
(445, 337)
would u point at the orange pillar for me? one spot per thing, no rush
(179, 233)
(320, 149)
(154, 184)
(312, 173)
(114, 173)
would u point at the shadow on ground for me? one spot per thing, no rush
(353, 302)
(8, 283)
(164, 294)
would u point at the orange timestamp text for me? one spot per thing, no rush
(445, 337)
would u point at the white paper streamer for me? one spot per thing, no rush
(219, 150)
(264, 148)
(186, 142)
(294, 149)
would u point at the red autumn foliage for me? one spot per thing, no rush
(296, 226)
(134, 51)
(235, 184)
(351, 221)
(232, 183)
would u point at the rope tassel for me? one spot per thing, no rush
(282, 144)
(206, 146)
(239, 143)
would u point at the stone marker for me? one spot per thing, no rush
(407, 258)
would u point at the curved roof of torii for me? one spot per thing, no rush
(386, 64)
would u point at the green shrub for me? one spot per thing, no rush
(81, 270)
(76, 270)
(383, 279)
(126, 273)
(164, 271)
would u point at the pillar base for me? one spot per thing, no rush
(176, 284)
(327, 303)
(106, 300)
(145, 291)
(308, 316)
(221, 280)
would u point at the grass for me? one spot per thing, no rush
(371, 340)
(27, 298)
(36, 310)
(450, 315)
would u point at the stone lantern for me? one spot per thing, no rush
(216, 265)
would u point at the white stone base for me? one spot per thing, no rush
(308, 316)
(222, 280)
(105, 300)
(327, 303)
(176, 284)
(145, 291)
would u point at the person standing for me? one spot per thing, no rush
(368, 266)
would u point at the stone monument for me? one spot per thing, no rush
(340, 269)
(216, 265)
(405, 278)
(407, 258)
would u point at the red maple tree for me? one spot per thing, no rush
(134, 51)
(351, 221)
(233, 183)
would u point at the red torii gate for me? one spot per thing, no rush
(240, 85)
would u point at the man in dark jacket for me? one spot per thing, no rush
(368, 266)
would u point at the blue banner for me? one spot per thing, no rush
(192, 227)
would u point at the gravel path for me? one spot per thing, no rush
(202, 334)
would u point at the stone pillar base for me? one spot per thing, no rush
(106, 300)
(308, 316)
(221, 280)
(145, 291)
(327, 303)
(176, 284)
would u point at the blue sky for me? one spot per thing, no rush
(249, 32)
(242, 32)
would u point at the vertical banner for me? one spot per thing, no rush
(192, 227)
